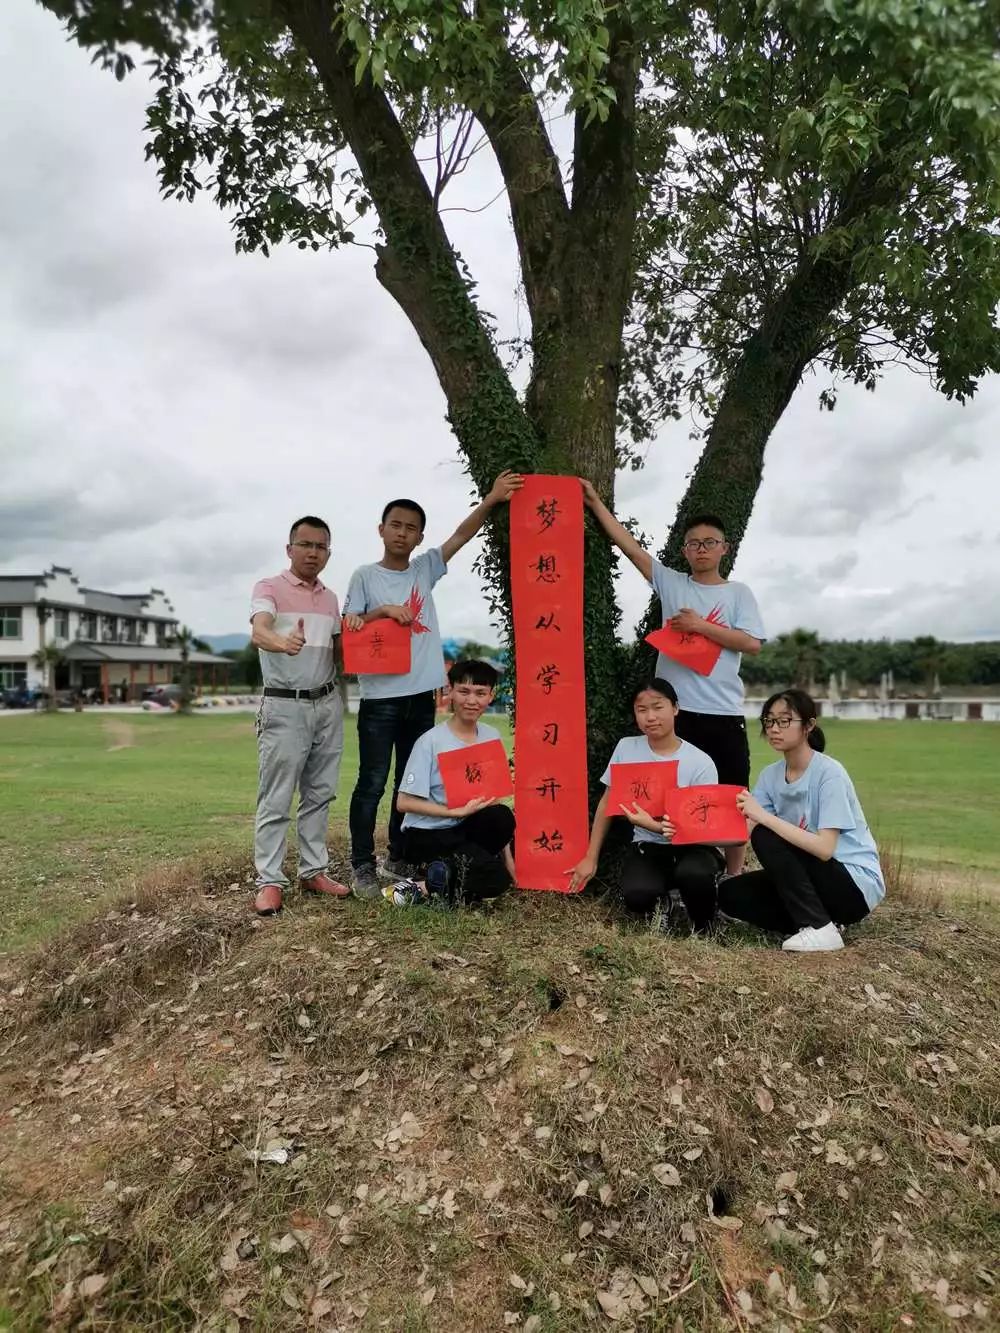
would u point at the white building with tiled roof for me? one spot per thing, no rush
(112, 642)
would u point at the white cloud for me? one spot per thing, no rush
(168, 406)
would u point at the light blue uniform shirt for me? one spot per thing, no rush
(694, 769)
(824, 797)
(374, 585)
(423, 777)
(721, 692)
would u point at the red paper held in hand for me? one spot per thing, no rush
(475, 770)
(645, 785)
(706, 814)
(688, 647)
(380, 648)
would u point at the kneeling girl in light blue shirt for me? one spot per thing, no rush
(652, 866)
(820, 866)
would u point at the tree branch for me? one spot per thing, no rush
(417, 264)
(531, 172)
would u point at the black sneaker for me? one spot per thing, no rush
(396, 869)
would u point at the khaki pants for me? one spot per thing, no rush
(299, 746)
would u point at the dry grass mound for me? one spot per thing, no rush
(355, 1118)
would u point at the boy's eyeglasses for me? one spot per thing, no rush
(312, 546)
(782, 723)
(702, 544)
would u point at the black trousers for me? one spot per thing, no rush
(794, 889)
(385, 726)
(472, 849)
(723, 738)
(652, 869)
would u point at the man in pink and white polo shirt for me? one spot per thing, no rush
(300, 725)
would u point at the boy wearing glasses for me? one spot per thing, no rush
(702, 602)
(300, 725)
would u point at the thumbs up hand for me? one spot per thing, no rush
(296, 640)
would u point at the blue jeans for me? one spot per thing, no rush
(384, 725)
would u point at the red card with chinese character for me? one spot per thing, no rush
(645, 785)
(688, 648)
(475, 770)
(706, 814)
(379, 648)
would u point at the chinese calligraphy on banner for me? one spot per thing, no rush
(706, 814)
(644, 785)
(550, 729)
(475, 770)
(379, 648)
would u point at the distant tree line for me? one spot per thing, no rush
(246, 661)
(801, 657)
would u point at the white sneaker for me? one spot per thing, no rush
(813, 939)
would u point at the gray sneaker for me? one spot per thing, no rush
(365, 882)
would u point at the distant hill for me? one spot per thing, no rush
(226, 643)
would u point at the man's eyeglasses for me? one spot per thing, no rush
(702, 544)
(782, 723)
(313, 546)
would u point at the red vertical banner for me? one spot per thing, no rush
(550, 728)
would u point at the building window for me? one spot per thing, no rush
(60, 624)
(88, 625)
(10, 622)
(13, 675)
(110, 631)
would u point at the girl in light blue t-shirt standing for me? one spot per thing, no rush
(820, 867)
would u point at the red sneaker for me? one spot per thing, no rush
(268, 901)
(324, 884)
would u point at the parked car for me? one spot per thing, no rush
(162, 694)
(22, 696)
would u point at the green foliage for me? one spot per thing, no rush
(862, 134)
(789, 659)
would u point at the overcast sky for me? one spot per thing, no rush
(166, 406)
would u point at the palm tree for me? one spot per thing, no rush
(47, 659)
(184, 638)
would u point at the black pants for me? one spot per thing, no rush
(793, 890)
(384, 726)
(652, 869)
(472, 850)
(723, 738)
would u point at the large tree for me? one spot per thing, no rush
(821, 187)
(759, 168)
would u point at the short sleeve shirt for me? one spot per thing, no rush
(824, 797)
(734, 607)
(423, 776)
(290, 600)
(694, 769)
(374, 585)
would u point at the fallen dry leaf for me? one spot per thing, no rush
(666, 1174)
(764, 1100)
(613, 1306)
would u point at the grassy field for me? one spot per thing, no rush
(90, 803)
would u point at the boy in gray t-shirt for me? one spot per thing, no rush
(397, 709)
